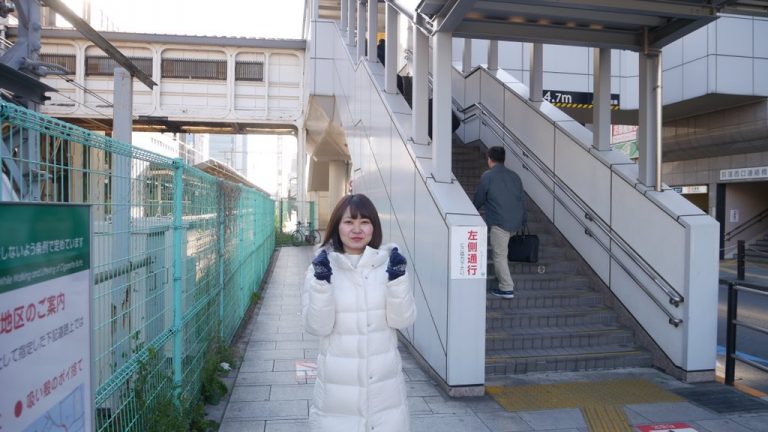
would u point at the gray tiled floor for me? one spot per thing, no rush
(272, 392)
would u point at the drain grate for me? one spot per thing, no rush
(722, 399)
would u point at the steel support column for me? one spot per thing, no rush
(337, 172)
(351, 21)
(601, 110)
(390, 56)
(373, 29)
(466, 58)
(441, 107)
(344, 16)
(419, 95)
(301, 168)
(649, 128)
(493, 55)
(361, 29)
(537, 73)
(120, 188)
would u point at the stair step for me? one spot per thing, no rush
(543, 267)
(545, 299)
(565, 360)
(533, 281)
(557, 337)
(549, 317)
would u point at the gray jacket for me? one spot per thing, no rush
(501, 192)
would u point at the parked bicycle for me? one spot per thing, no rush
(303, 235)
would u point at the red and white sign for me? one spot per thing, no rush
(468, 252)
(306, 371)
(667, 427)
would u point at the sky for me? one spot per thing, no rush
(282, 19)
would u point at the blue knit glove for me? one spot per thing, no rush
(322, 267)
(396, 266)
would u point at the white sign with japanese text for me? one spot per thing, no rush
(744, 173)
(469, 252)
(45, 337)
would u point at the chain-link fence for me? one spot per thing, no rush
(177, 257)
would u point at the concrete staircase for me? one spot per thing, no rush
(758, 251)
(558, 320)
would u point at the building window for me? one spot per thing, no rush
(249, 71)
(67, 61)
(105, 66)
(194, 69)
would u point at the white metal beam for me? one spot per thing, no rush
(441, 107)
(601, 104)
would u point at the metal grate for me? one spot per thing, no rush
(194, 69)
(249, 71)
(105, 66)
(67, 61)
(722, 399)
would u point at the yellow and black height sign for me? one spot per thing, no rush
(574, 99)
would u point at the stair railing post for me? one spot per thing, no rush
(730, 333)
(740, 258)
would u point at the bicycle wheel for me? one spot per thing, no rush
(315, 236)
(297, 238)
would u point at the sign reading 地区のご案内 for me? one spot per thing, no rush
(45, 319)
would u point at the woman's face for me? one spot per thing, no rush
(355, 233)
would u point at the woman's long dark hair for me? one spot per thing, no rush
(360, 207)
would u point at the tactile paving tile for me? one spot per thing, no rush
(580, 394)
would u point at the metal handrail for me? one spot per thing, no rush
(732, 322)
(675, 298)
(747, 224)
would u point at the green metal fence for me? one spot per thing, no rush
(177, 254)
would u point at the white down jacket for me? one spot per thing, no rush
(360, 385)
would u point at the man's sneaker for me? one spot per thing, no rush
(503, 294)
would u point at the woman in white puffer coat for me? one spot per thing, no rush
(355, 295)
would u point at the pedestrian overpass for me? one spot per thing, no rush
(205, 84)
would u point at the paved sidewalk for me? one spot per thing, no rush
(273, 387)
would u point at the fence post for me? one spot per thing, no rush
(311, 216)
(221, 220)
(740, 258)
(730, 334)
(178, 226)
(242, 266)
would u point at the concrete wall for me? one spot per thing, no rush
(416, 212)
(707, 170)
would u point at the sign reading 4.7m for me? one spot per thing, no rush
(45, 320)
(574, 99)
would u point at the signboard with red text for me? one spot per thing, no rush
(469, 252)
(45, 338)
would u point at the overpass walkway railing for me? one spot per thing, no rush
(177, 257)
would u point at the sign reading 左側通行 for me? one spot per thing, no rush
(45, 317)
(468, 252)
